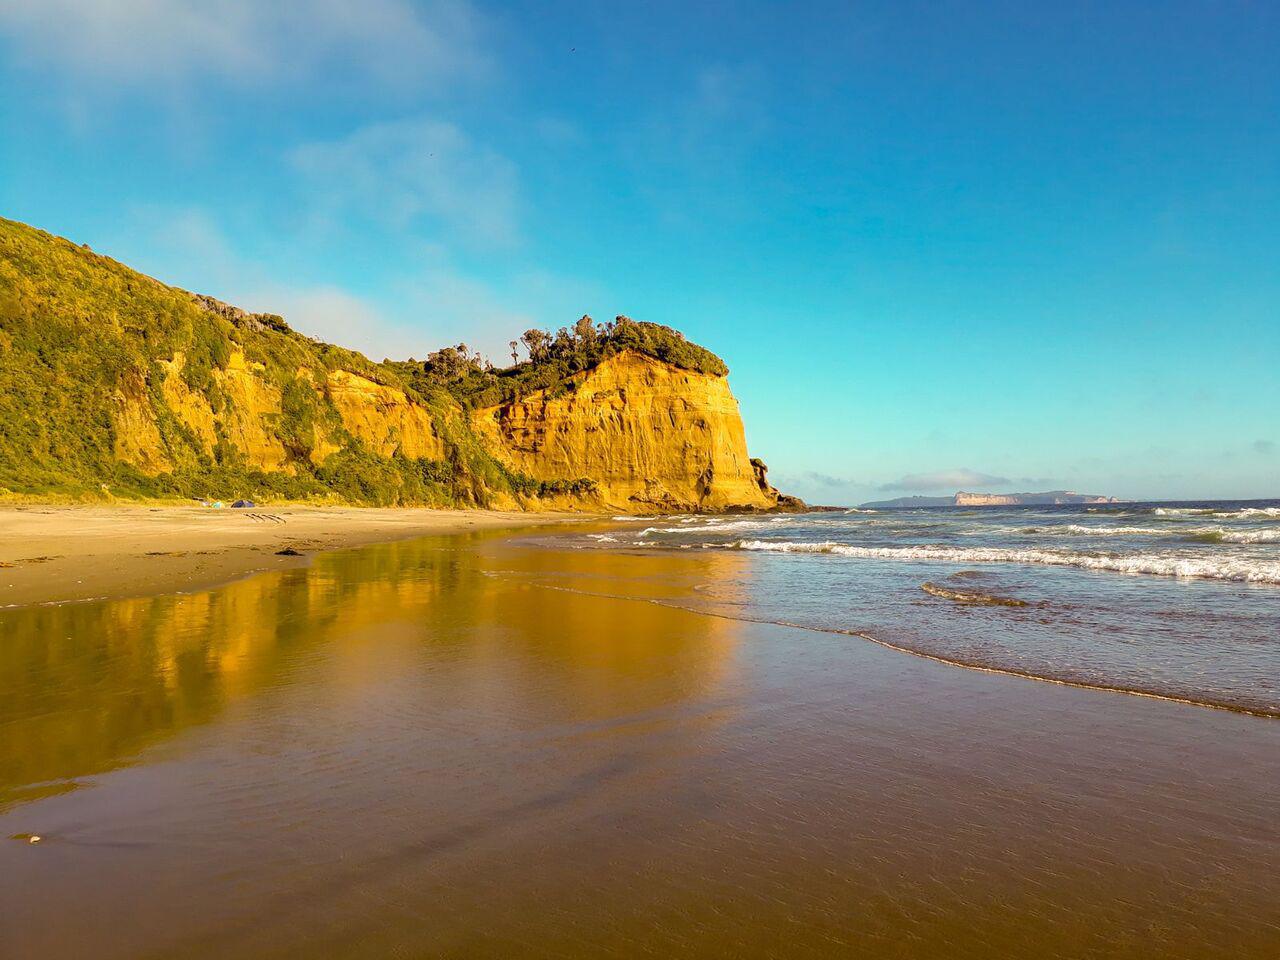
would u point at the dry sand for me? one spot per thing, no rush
(53, 554)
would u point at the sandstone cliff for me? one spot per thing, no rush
(650, 435)
(114, 384)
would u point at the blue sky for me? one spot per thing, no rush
(941, 245)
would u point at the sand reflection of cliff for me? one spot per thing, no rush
(591, 613)
(85, 688)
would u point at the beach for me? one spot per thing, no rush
(877, 404)
(498, 743)
(55, 553)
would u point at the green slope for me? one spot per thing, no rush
(77, 328)
(78, 331)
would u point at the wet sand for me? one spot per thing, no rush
(51, 554)
(477, 746)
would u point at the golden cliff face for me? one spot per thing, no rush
(384, 418)
(251, 404)
(116, 384)
(136, 438)
(245, 420)
(652, 437)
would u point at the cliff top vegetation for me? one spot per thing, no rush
(554, 358)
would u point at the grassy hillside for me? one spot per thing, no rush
(87, 366)
(79, 330)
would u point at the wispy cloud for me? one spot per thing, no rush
(420, 174)
(245, 43)
(814, 479)
(438, 306)
(413, 314)
(326, 311)
(944, 480)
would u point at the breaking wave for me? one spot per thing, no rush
(715, 527)
(1205, 534)
(1243, 512)
(1076, 529)
(1233, 569)
(1219, 535)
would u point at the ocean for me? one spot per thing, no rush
(576, 742)
(1174, 600)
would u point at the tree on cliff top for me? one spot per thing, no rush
(554, 358)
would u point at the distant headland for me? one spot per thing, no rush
(962, 499)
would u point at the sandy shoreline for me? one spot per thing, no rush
(414, 750)
(54, 553)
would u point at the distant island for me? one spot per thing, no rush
(962, 499)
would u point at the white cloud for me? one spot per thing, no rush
(437, 305)
(338, 316)
(245, 43)
(415, 174)
(187, 247)
(814, 479)
(817, 487)
(456, 307)
(945, 480)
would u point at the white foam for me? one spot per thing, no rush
(1220, 533)
(1254, 512)
(715, 526)
(1077, 529)
(1235, 569)
(1249, 536)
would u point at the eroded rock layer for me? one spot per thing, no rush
(651, 436)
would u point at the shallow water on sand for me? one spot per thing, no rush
(1179, 601)
(466, 746)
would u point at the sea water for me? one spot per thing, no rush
(1178, 600)
(491, 746)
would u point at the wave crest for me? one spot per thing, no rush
(1254, 512)
(1077, 529)
(1207, 534)
(970, 596)
(715, 527)
(1232, 569)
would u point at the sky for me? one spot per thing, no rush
(986, 246)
